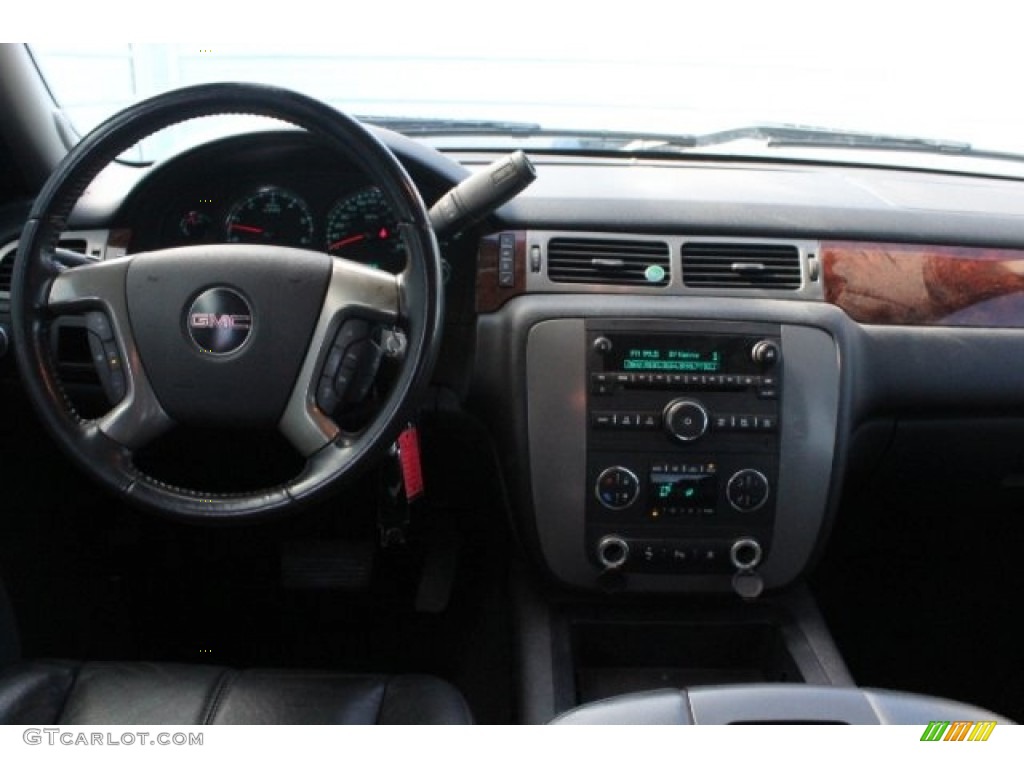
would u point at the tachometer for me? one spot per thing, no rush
(362, 227)
(270, 216)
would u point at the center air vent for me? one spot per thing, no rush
(608, 261)
(741, 265)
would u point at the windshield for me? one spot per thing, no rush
(626, 86)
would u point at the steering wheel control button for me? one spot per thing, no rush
(766, 353)
(686, 420)
(350, 367)
(106, 356)
(97, 322)
(219, 321)
(617, 488)
(747, 490)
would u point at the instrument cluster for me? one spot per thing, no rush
(357, 224)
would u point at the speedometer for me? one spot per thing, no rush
(363, 228)
(270, 216)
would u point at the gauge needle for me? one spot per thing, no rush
(247, 228)
(345, 241)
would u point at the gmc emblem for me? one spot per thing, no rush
(219, 321)
(213, 320)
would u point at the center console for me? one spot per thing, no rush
(679, 455)
(682, 445)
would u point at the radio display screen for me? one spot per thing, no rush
(671, 360)
(678, 353)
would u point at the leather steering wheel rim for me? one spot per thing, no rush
(38, 283)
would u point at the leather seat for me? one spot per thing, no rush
(137, 693)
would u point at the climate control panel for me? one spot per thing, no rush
(682, 445)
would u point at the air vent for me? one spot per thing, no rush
(608, 261)
(74, 244)
(741, 265)
(7, 266)
(8, 251)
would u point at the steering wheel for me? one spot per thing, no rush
(234, 335)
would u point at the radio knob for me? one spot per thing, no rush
(602, 345)
(612, 552)
(766, 353)
(747, 490)
(685, 420)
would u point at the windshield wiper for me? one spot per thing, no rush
(586, 139)
(772, 135)
(802, 136)
(427, 126)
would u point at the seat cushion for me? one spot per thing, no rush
(139, 693)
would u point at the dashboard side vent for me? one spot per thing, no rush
(608, 261)
(7, 266)
(741, 265)
(74, 244)
(8, 250)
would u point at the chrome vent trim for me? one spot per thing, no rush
(741, 265)
(609, 261)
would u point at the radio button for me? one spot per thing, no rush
(686, 420)
(767, 423)
(602, 420)
(650, 420)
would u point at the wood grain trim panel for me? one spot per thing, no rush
(900, 284)
(490, 295)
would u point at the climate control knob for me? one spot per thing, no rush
(747, 490)
(685, 420)
(616, 488)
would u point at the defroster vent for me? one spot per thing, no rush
(609, 261)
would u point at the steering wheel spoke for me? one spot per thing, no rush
(356, 297)
(137, 417)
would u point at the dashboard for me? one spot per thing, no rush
(608, 326)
